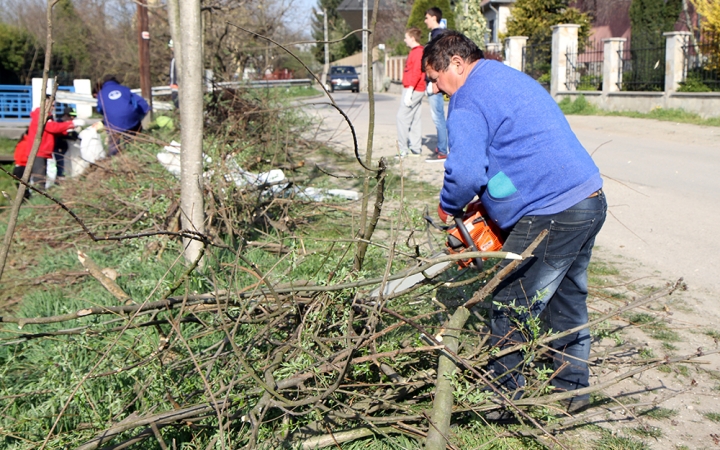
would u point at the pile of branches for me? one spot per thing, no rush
(287, 348)
(267, 365)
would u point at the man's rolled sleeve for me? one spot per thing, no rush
(467, 163)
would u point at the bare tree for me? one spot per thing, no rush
(173, 11)
(191, 120)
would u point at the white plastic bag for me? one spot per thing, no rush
(91, 147)
(50, 172)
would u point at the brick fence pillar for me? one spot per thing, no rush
(563, 37)
(612, 76)
(674, 59)
(514, 51)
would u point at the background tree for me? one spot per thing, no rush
(710, 12)
(534, 19)
(417, 14)
(337, 28)
(17, 50)
(649, 19)
(471, 22)
(71, 56)
(710, 36)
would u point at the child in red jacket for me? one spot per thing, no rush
(52, 129)
(22, 150)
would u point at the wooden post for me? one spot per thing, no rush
(144, 54)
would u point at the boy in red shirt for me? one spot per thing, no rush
(408, 116)
(22, 150)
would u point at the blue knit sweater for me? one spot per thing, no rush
(512, 147)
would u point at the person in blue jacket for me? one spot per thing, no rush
(511, 146)
(122, 110)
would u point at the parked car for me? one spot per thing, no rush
(344, 78)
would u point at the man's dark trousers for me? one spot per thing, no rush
(553, 281)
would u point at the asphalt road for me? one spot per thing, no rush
(662, 180)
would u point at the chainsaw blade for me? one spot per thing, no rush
(401, 285)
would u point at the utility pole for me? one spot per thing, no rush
(326, 68)
(144, 53)
(363, 78)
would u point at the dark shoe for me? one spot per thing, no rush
(575, 405)
(500, 416)
(437, 157)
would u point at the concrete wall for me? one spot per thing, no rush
(611, 98)
(705, 104)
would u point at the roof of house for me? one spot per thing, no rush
(488, 2)
(356, 5)
(351, 11)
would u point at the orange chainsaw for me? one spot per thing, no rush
(474, 232)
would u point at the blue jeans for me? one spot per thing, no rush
(553, 282)
(437, 111)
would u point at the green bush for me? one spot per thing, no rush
(693, 84)
(578, 106)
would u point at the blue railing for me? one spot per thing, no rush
(15, 102)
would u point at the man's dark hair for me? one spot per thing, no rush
(435, 12)
(451, 43)
(109, 78)
(414, 33)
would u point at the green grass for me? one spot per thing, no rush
(665, 335)
(297, 91)
(610, 442)
(599, 268)
(7, 147)
(713, 334)
(647, 432)
(678, 369)
(580, 106)
(715, 417)
(659, 413)
(654, 327)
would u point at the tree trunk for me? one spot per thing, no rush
(175, 35)
(366, 232)
(191, 122)
(444, 391)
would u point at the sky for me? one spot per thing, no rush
(304, 14)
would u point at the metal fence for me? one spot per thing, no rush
(537, 61)
(702, 64)
(584, 68)
(394, 67)
(642, 69)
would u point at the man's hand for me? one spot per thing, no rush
(407, 97)
(444, 217)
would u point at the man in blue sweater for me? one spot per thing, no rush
(512, 147)
(122, 110)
